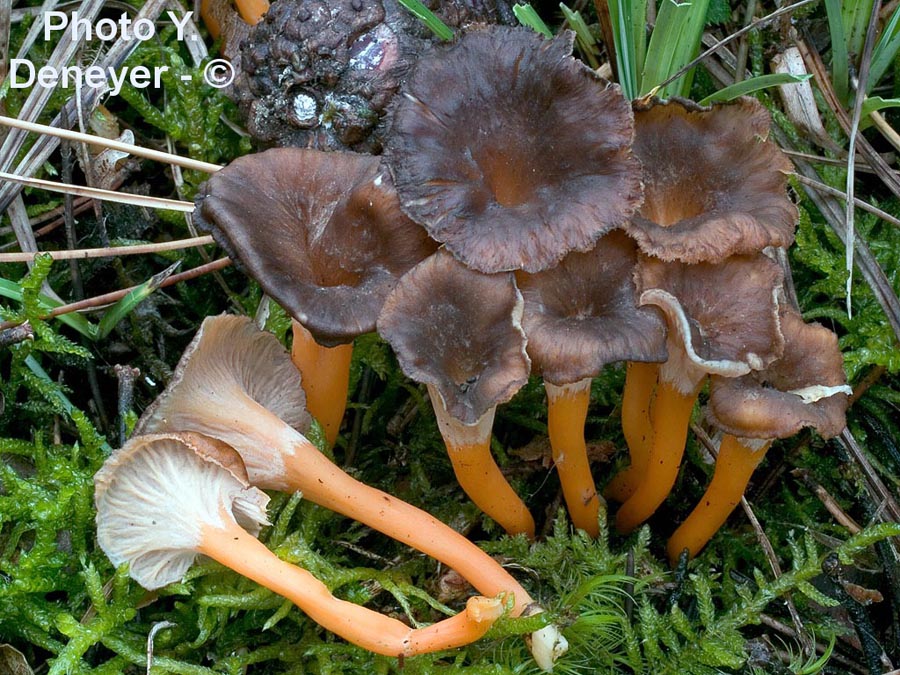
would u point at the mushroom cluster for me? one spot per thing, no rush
(524, 216)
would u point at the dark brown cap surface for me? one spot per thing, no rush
(714, 186)
(511, 152)
(724, 314)
(804, 388)
(459, 331)
(583, 314)
(322, 233)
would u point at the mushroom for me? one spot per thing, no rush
(806, 387)
(723, 320)
(714, 185)
(164, 498)
(459, 332)
(580, 316)
(237, 384)
(510, 151)
(324, 236)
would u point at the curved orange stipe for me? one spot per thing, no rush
(671, 415)
(240, 551)
(734, 466)
(640, 384)
(566, 415)
(325, 376)
(481, 479)
(320, 481)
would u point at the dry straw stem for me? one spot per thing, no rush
(110, 251)
(136, 150)
(98, 193)
(100, 301)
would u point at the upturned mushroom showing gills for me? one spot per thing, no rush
(714, 185)
(723, 320)
(164, 498)
(324, 235)
(459, 332)
(512, 166)
(237, 384)
(580, 316)
(806, 387)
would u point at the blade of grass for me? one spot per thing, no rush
(734, 36)
(753, 84)
(839, 60)
(628, 19)
(528, 17)
(426, 16)
(855, 18)
(136, 296)
(586, 41)
(885, 51)
(13, 291)
(675, 41)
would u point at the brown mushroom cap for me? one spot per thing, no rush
(724, 316)
(459, 331)
(583, 314)
(155, 494)
(322, 233)
(230, 361)
(510, 151)
(714, 186)
(806, 387)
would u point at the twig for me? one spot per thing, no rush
(805, 641)
(100, 301)
(885, 128)
(97, 193)
(783, 628)
(875, 486)
(112, 251)
(136, 150)
(16, 334)
(125, 377)
(861, 167)
(829, 502)
(865, 206)
(859, 617)
(743, 48)
(866, 383)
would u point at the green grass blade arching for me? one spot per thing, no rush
(885, 51)
(840, 69)
(528, 17)
(629, 19)
(675, 41)
(753, 84)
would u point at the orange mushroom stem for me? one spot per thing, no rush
(671, 417)
(737, 460)
(806, 387)
(640, 385)
(567, 408)
(236, 383)
(325, 376)
(164, 498)
(232, 546)
(469, 449)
